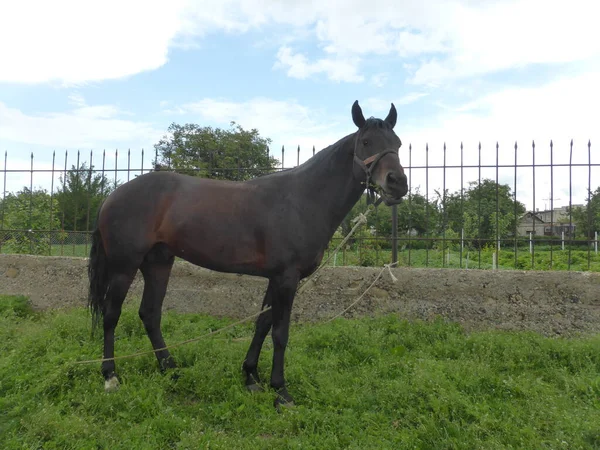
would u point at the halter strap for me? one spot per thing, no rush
(364, 165)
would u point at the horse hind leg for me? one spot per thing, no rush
(156, 270)
(263, 325)
(119, 283)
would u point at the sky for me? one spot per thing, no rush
(94, 76)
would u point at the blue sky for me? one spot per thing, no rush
(113, 75)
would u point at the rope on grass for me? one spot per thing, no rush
(174, 345)
(394, 279)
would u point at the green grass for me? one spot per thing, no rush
(542, 259)
(473, 259)
(368, 383)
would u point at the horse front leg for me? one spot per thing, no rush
(285, 291)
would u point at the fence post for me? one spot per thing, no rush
(394, 234)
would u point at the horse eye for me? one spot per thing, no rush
(366, 142)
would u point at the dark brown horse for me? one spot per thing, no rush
(276, 226)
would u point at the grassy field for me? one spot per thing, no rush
(543, 258)
(369, 383)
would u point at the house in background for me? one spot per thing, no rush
(551, 222)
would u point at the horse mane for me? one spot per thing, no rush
(373, 122)
(321, 157)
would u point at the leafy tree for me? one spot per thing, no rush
(23, 215)
(587, 218)
(418, 213)
(476, 212)
(80, 195)
(414, 213)
(233, 154)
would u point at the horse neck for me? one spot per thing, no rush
(332, 181)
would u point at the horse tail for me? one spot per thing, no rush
(98, 277)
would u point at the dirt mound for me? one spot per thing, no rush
(552, 303)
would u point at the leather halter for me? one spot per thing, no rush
(367, 166)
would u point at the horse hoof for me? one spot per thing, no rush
(111, 384)
(283, 399)
(255, 388)
(281, 403)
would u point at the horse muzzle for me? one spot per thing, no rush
(394, 188)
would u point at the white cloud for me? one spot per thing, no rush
(336, 69)
(382, 106)
(379, 79)
(77, 42)
(83, 127)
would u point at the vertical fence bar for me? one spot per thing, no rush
(313, 150)
(497, 206)
(516, 221)
(30, 224)
(298, 158)
(409, 202)
(76, 189)
(462, 205)
(116, 164)
(444, 250)
(63, 212)
(570, 202)
(394, 234)
(479, 209)
(552, 227)
(534, 210)
(142, 168)
(128, 163)
(282, 157)
(103, 182)
(89, 200)
(51, 227)
(3, 199)
(589, 204)
(427, 233)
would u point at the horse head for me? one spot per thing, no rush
(376, 152)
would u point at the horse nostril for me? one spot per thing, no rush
(392, 178)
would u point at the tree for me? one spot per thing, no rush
(415, 212)
(587, 218)
(234, 154)
(418, 213)
(80, 196)
(23, 217)
(475, 213)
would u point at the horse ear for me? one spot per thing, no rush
(392, 116)
(357, 115)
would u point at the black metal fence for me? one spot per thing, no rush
(461, 212)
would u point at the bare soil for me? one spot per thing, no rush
(550, 303)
